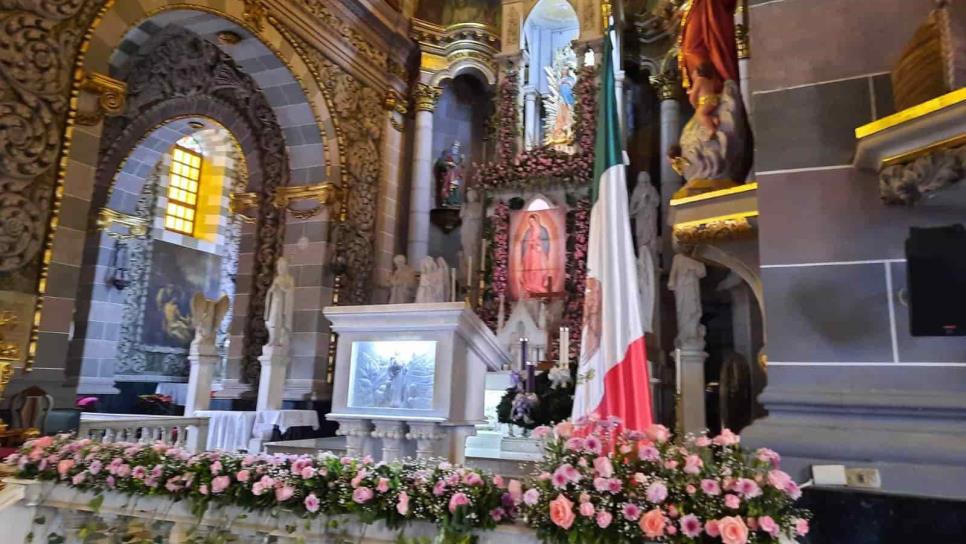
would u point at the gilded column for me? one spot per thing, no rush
(421, 194)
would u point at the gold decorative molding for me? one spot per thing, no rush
(239, 203)
(666, 85)
(431, 62)
(137, 226)
(395, 103)
(100, 96)
(715, 194)
(9, 351)
(915, 112)
(17, 334)
(255, 14)
(715, 229)
(425, 97)
(742, 41)
(325, 194)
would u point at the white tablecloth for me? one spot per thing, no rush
(229, 431)
(266, 420)
(177, 391)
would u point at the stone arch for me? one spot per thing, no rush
(533, 4)
(468, 66)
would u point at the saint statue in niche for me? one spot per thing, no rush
(449, 177)
(560, 101)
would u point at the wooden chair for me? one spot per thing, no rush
(29, 408)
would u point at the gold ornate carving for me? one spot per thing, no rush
(348, 32)
(425, 97)
(136, 226)
(9, 351)
(715, 229)
(100, 96)
(16, 318)
(666, 84)
(395, 103)
(239, 203)
(255, 14)
(325, 194)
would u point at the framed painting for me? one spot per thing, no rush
(538, 252)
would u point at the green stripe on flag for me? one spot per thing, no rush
(607, 150)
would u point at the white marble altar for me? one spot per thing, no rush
(410, 378)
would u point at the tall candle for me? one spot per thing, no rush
(564, 346)
(452, 284)
(469, 274)
(677, 371)
(483, 255)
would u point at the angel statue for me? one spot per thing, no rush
(206, 316)
(715, 146)
(560, 101)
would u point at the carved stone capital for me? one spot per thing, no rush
(100, 96)
(426, 96)
(137, 227)
(239, 203)
(395, 104)
(742, 42)
(667, 85)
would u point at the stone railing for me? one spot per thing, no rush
(49, 512)
(186, 432)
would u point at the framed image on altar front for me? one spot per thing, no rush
(538, 252)
(392, 374)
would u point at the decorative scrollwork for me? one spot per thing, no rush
(425, 97)
(101, 96)
(714, 229)
(20, 229)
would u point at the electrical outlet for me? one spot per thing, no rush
(829, 475)
(863, 477)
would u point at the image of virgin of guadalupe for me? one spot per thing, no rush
(534, 256)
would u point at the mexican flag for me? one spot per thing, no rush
(612, 375)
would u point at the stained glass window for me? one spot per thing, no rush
(183, 190)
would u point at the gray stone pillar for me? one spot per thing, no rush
(531, 118)
(202, 361)
(421, 192)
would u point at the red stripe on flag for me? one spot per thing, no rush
(627, 390)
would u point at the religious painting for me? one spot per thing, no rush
(398, 374)
(454, 12)
(177, 273)
(538, 252)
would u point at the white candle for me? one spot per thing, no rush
(483, 254)
(469, 274)
(677, 371)
(452, 284)
(565, 350)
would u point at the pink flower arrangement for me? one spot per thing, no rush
(648, 487)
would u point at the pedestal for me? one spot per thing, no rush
(392, 433)
(202, 360)
(271, 381)
(690, 364)
(438, 354)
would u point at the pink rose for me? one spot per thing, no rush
(531, 497)
(498, 481)
(564, 429)
(586, 509)
(748, 488)
(604, 518)
(457, 500)
(284, 493)
(403, 505)
(592, 443)
(440, 488)
(649, 453)
(690, 489)
(603, 467)
(540, 432)
(732, 501)
(243, 475)
(691, 526)
(702, 442)
(219, 484)
(657, 492)
(767, 524)
(515, 488)
(801, 526)
(733, 530)
(311, 503)
(710, 487)
(383, 485)
(584, 497)
(693, 464)
(711, 527)
(631, 512)
(362, 495)
(652, 523)
(726, 438)
(768, 456)
(357, 480)
(79, 478)
(63, 467)
(658, 433)
(561, 512)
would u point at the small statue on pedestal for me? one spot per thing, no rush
(280, 306)
(449, 177)
(403, 282)
(644, 207)
(206, 316)
(685, 281)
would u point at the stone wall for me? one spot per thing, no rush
(846, 381)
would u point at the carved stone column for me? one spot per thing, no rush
(426, 436)
(667, 90)
(393, 437)
(531, 117)
(421, 193)
(357, 433)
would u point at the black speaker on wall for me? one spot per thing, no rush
(936, 271)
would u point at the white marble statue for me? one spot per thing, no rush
(644, 206)
(206, 316)
(427, 291)
(403, 282)
(471, 228)
(444, 278)
(280, 305)
(646, 286)
(685, 281)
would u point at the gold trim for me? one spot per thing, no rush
(425, 97)
(239, 202)
(753, 186)
(915, 112)
(325, 194)
(111, 96)
(9, 351)
(395, 103)
(137, 226)
(910, 156)
(432, 62)
(711, 229)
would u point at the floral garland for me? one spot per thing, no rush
(544, 162)
(458, 500)
(578, 227)
(498, 262)
(595, 484)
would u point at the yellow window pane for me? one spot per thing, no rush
(192, 186)
(189, 213)
(194, 161)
